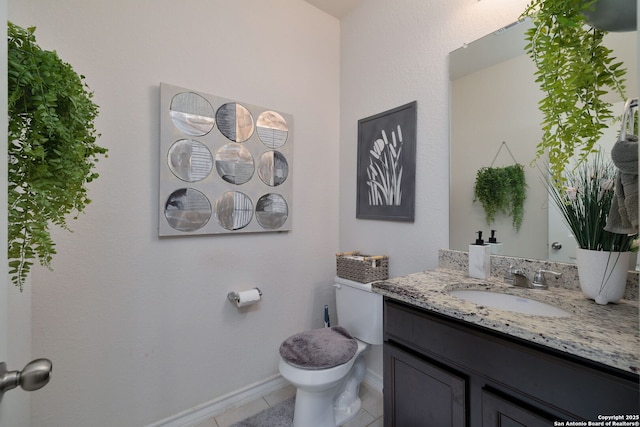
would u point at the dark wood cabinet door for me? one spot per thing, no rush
(500, 412)
(420, 393)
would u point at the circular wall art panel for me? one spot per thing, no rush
(272, 211)
(187, 209)
(235, 122)
(192, 114)
(234, 210)
(273, 168)
(272, 129)
(190, 160)
(234, 163)
(240, 173)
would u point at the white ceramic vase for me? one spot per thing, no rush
(602, 274)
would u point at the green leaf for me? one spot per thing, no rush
(574, 70)
(52, 148)
(501, 190)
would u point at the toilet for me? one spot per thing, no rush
(327, 365)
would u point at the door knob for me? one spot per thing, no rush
(556, 245)
(36, 374)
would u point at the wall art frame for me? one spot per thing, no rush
(386, 166)
(226, 167)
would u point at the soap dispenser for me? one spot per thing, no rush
(479, 259)
(496, 247)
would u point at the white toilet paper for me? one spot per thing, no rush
(248, 297)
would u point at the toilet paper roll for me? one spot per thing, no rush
(248, 297)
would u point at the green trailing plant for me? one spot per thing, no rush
(574, 70)
(501, 190)
(583, 196)
(52, 149)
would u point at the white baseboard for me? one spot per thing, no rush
(373, 380)
(239, 397)
(217, 406)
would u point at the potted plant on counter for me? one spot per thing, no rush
(574, 69)
(583, 197)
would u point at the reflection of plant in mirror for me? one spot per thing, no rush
(52, 150)
(584, 198)
(574, 69)
(501, 190)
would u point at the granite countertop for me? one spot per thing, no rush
(608, 334)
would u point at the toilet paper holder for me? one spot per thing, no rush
(235, 296)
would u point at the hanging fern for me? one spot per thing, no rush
(52, 150)
(574, 70)
(502, 190)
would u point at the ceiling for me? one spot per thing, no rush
(337, 8)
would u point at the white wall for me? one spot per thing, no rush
(393, 53)
(139, 328)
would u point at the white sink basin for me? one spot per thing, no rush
(510, 303)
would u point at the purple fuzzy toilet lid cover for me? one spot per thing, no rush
(319, 348)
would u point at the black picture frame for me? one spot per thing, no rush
(387, 165)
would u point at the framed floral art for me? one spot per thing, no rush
(387, 165)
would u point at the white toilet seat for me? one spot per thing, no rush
(320, 348)
(301, 377)
(306, 378)
(318, 396)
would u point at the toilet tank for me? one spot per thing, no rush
(359, 310)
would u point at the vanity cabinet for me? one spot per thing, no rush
(439, 371)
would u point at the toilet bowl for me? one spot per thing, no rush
(328, 397)
(327, 394)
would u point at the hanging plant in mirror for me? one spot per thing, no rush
(574, 69)
(52, 150)
(501, 190)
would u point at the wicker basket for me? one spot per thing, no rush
(362, 268)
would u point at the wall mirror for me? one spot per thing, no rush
(494, 99)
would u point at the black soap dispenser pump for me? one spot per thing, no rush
(479, 258)
(496, 247)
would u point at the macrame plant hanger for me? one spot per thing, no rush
(513, 191)
(504, 144)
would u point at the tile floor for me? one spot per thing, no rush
(370, 415)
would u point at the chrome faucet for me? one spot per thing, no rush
(540, 281)
(520, 279)
(508, 275)
(517, 277)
